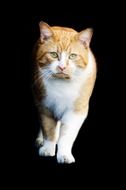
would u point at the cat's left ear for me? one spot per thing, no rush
(85, 37)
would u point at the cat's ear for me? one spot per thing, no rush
(45, 31)
(85, 37)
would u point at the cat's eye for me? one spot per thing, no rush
(72, 56)
(54, 54)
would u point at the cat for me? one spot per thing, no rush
(64, 78)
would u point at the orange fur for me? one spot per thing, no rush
(61, 39)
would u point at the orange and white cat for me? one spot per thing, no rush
(64, 77)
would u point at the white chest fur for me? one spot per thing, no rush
(61, 95)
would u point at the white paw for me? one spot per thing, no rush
(39, 142)
(48, 149)
(65, 158)
(44, 151)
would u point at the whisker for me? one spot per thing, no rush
(43, 73)
(46, 74)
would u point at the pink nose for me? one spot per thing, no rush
(61, 68)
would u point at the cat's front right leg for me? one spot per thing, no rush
(50, 135)
(48, 148)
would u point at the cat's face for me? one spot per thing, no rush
(62, 51)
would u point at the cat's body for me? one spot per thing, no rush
(65, 72)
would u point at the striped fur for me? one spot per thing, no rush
(64, 77)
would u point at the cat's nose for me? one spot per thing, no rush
(61, 68)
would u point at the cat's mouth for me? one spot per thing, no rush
(62, 75)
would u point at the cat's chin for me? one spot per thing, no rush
(61, 76)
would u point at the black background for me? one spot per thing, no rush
(101, 141)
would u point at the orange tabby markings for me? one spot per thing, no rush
(64, 78)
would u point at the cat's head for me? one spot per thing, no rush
(61, 51)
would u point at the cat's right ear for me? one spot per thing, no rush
(45, 31)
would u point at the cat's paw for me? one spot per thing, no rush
(65, 158)
(48, 149)
(39, 142)
(44, 151)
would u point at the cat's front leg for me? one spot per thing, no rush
(70, 125)
(50, 136)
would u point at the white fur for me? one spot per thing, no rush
(61, 94)
(63, 58)
(71, 123)
(48, 149)
(60, 97)
(57, 130)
